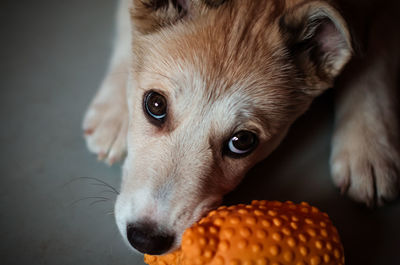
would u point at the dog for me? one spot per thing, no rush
(199, 91)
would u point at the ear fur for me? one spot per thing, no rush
(214, 3)
(319, 42)
(150, 15)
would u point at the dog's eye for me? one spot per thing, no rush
(242, 143)
(155, 106)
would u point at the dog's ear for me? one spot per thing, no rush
(319, 43)
(150, 15)
(214, 3)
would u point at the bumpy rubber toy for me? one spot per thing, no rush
(263, 233)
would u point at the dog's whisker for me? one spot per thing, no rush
(98, 201)
(88, 198)
(107, 191)
(108, 188)
(102, 182)
(105, 184)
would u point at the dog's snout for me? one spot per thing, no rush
(147, 239)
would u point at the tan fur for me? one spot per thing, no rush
(223, 66)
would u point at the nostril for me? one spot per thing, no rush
(146, 239)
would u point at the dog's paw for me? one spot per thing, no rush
(365, 165)
(105, 128)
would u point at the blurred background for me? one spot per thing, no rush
(53, 55)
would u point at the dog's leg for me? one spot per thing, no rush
(106, 120)
(365, 160)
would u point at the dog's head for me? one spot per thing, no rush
(214, 87)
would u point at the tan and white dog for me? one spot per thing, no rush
(199, 91)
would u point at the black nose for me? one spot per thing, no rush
(147, 239)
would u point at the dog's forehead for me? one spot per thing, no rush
(240, 70)
(239, 38)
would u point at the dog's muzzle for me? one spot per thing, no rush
(146, 238)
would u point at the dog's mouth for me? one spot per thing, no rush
(200, 212)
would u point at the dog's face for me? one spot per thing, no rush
(212, 92)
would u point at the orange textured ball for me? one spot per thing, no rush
(263, 233)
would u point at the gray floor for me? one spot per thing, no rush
(52, 57)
